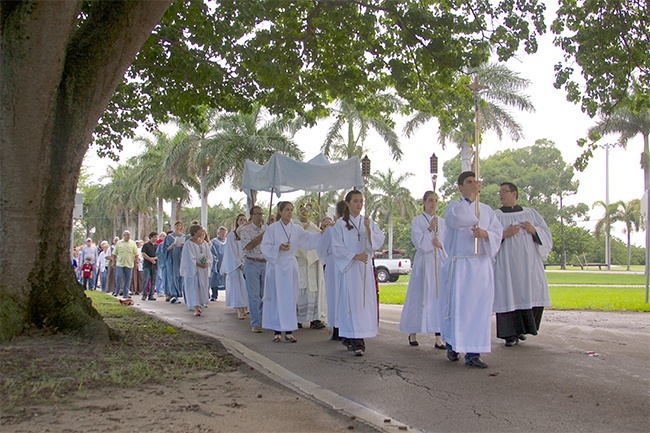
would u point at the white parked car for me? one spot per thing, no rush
(390, 269)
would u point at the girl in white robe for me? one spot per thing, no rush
(354, 240)
(422, 310)
(196, 262)
(282, 285)
(232, 267)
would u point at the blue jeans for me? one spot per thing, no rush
(148, 276)
(254, 273)
(122, 273)
(468, 356)
(104, 279)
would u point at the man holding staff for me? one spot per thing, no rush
(468, 276)
(521, 289)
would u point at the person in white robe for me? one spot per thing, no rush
(233, 268)
(422, 310)
(196, 262)
(217, 278)
(521, 288)
(468, 277)
(281, 288)
(312, 281)
(354, 240)
(332, 276)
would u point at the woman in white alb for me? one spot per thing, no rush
(354, 240)
(232, 267)
(196, 262)
(423, 307)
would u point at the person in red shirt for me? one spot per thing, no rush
(87, 273)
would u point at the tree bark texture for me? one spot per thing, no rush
(57, 75)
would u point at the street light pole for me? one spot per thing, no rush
(608, 248)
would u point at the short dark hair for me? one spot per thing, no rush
(512, 187)
(152, 234)
(464, 175)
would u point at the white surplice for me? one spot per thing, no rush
(281, 286)
(468, 278)
(520, 280)
(357, 304)
(332, 276)
(236, 293)
(422, 310)
(312, 283)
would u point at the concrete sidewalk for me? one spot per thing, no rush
(586, 371)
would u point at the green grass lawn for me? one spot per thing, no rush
(604, 277)
(563, 297)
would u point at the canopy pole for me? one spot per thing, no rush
(320, 211)
(271, 204)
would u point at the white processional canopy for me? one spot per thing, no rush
(282, 174)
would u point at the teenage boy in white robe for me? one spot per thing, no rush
(468, 277)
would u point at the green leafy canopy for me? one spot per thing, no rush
(297, 56)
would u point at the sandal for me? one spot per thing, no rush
(277, 338)
(290, 338)
(198, 311)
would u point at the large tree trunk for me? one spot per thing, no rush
(56, 78)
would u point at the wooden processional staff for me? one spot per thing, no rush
(433, 168)
(365, 172)
(476, 88)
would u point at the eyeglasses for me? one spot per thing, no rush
(503, 191)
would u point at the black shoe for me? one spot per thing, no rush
(476, 362)
(358, 352)
(299, 325)
(413, 342)
(452, 355)
(316, 324)
(511, 341)
(522, 337)
(144, 298)
(151, 298)
(335, 334)
(440, 346)
(115, 294)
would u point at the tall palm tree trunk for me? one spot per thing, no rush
(160, 215)
(466, 155)
(390, 236)
(629, 249)
(204, 199)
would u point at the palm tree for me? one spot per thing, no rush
(241, 136)
(392, 199)
(187, 156)
(605, 225)
(503, 89)
(628, 213)
(629, 124)
(349, 131)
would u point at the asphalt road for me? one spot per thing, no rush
(585, 372)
